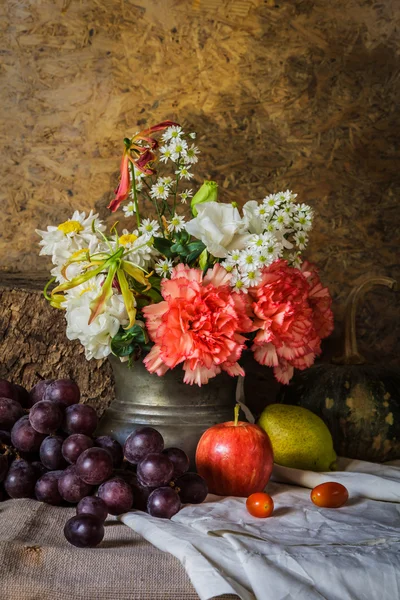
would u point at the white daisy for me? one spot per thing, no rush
(159, 190)
(237, 283)
(294, 260)
(189, 156)
(233, 257)
(165, 153)
(129, 209)
(280, 220)
(248, 259)
(164, 267)
(251, 278)
(301, 239)
(178, 148)
(184, 173)
(192, 135)
(262, 211)
(302, 221)
(257, 241)
(150, 227)
(165, 180)
(172, 133)
(186, 195)
(271, 202)
(176, 224)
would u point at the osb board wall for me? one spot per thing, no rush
(284, 94)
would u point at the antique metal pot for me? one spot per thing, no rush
(180, 412)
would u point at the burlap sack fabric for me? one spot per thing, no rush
(36, 562)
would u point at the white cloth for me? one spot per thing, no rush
(301, 552)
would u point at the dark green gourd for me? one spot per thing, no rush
(359, 402)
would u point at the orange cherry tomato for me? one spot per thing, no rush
(329, 495)
(260, 505)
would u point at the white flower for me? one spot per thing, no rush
(139, 248)
(178, 147)
(189, 156)
(159, 190)
(68, 237)
(165, 180)
(280, 220)
(192, 135)
(271, 202)
(250, 217)
(177, 223)
(164, 267)
(251, 278)
(257, 241)
(186, 195)
(129, 209)
(273, 250)
(229, 267)
(96, 337)
(248, 259)
(264, 259)
(294, 260)
(233, 257)
(301, 239)
(262, 211)
(184, 173)
(172, 133)
(305, 209)
(165, 153)
(150, 227)
(237, 283)
(219, 227)
(302, 221)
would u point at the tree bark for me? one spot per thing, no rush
(34, 346)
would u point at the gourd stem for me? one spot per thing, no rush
(351, 356)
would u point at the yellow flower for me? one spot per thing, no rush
(70, 227)
(127, 238)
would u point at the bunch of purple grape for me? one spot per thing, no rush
(48, 452)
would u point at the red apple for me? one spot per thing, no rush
(235, 458)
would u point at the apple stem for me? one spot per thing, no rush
(236, 412)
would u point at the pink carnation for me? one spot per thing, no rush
(292, 313)
(198, 324)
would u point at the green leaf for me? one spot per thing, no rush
(164, 246)
(198, 245)
(203, 259)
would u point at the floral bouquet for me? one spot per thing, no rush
(187, 291)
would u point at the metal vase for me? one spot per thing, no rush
(180, 412)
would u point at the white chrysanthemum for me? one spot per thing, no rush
(271, 202)
(301, 239)
(263, 212)
(189, 156)
(177, 223)
(165, 153)
(264, 259)
(248, 259)
(237, 282)
(178, 148)
(184, 173)
(68, 237)
(280, 220)
(273, 250)
(294, 260)
(150, 227)
(165, 180)
(257, 241)
(96, 337)
(164, 267)
(174, 132)
(129, 209)
(302, 221)
(186, 195)
(229, 267)
(233, 257)
(251, 277)
(160, 190)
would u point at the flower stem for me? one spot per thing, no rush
(176, 188)
(236, 413)
(135, 200)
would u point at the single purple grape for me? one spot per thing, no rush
(192, 488)
(24, 438)
(80, 418)
(50, 453)
(142, 442)
(94, 465)
(46, 488)
(10, 412)
(163, 502)
(74, 445)
(63, 391)
(71, 486)
(93, 505)
(40, 469)
(37, 392)
(114, 448)
(84, 531)
(155, 470)
(117, 494)
(23, 396)
(179, 459)
(7, 390)
(20, 480)
(46, 417)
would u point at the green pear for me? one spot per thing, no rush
(299, 438)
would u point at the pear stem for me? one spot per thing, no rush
(236, 412)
